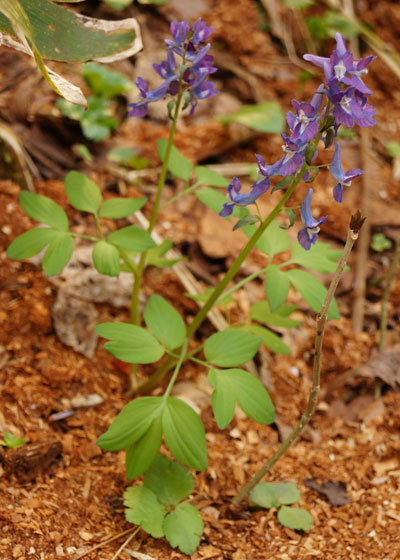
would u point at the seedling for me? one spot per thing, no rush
(10, 441)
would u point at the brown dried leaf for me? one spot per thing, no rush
(385, 365)
(335, 492)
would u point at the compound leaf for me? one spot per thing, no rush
(130, 343)
(207, 176)
(30, 243)
(231, 347)
(83, 194)
(223, 398)
(252, 396)
(133, 238)
(177, 163)
(116, 208)
(312, 290)
(269, 338)
(141, 454)
(276, 286)
(58, 252)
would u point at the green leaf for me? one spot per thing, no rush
(393, 148)
(130, 343)
(184, 434)
(231, 347)
(297, 519)
(222, 301)
(83, 194)
(252, 396)
(268, 495)
(274, 240)
(155, 255)
(283, 183)
(215, 200)
(380, 242)
(58, 253)
(127, 156)
(105, 82)
(133, 238)
(170, 481)
(10, 441)
(116, 208)
(270, 339)
(320, 257)
(261, 311)
(312, 290)
(298, 4)
(291, 214)
(141, 454)
(264, 117)
(165, 322)
(106, 258)
(183, 528)
(223, 398)
(145, 510)
(177, 163)
(207, 176)
(276, 286)
(250, 219)
(43, 209)
(30, 243)
(264, 496)
(131, 423)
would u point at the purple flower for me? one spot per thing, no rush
(257, 189)
(188, 76)
(294, 158)
(304, 123)
(308, 235)
(344, 179)
(351, 106)
(341, 63)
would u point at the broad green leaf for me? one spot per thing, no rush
(297, 519)
(43, 209)
(131, 423)
(130, 343)
(270, 339)
(116, 208)
(128, 157)
(298, 4)
(264, 117)
(63, 35)
(274, 240)
(393, 148)
(156, 257)
(264, 496)
(58, 253)
(380, 242)
(145, 510)
(207, 176)
(170, 481)
(183, 528)
(98, 120)
(223, 398)
(184, 434)
(133, 238)
(276, 286)
(141, 454)
(320, 257)
(165, 322)
(106, 258)
(105, 82)
(177, 163)
(231, 347)
(30, 243)
(215, 200)
(83, 194)
(261, 311)
(312, 290)
(287, 492)
(10, 441)
(252, 396)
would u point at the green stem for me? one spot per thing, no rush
(135, 314)
(178, 196)
(202, 313)
(182, 356)
(83, 236)
(98, 225)
(352, 235)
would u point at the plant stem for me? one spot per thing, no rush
(188, 190)
(385, 298)
(352, 235)
(135, 314)
(182, 356)
(202, 313)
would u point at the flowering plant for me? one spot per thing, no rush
(146, 422)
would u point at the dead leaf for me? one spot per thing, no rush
(335, 492)
(384, 365)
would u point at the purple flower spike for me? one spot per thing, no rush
(179, 31)
(200, 32)
(257, 189)
(344, 179)
(308, 235)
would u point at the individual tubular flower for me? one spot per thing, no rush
(243, 199)
(342, 67)
(308, 235)
(295, 155)
(350, 107)
(188, 75)
(304, 124)
(343, 179)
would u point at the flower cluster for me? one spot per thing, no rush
(346, 104)
(186, 69)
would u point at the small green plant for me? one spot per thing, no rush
(280, 495)
(118, 5)
(98, 120)
(10, 441)
(380, 242)
(159, 508)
